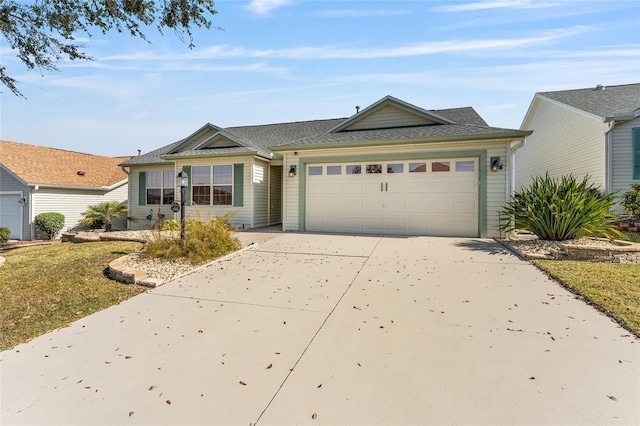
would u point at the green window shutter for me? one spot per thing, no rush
(636, 152)
(238, 185)
(142, 188)
(187, 189)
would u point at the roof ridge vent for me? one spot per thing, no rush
(600, 87)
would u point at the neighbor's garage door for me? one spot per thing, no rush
(11, 214)
(430, 197)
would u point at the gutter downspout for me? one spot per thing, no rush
(512, 166)
(608, 148)
(128, 192)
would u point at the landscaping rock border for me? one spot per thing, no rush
(586, 249)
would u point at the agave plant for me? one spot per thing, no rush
(560, 209)
(105, 213)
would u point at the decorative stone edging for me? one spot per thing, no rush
(119, 272)
(597, 249)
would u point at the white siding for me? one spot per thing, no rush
(622, 158)
(389, 116)
(260, 183)
(72, 202)
(496, 182)
(564, 141)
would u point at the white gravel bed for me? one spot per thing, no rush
(535, 247)
(157, 268)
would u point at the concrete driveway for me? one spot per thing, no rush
(327, 329)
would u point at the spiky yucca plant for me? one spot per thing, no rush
(560, 209)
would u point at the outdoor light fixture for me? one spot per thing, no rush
(182, 180)
(22, 201)
(495, 164)
(292, 171)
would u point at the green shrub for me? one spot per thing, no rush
(169, 225)
(5, 233)
(202, 242)
(631, 201)
(50, 223)
(560, 209)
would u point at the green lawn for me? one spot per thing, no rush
(46, 287)
(612, 288)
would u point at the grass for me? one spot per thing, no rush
(612, 288)
(47, 287)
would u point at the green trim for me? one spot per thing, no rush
(481, 155)
(142, 188)
(187, 190)
(399, 142)
(238, 185)
(635, 137)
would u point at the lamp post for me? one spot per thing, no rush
(182, 181)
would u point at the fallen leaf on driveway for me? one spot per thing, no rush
(613, 398)
(243, 383)
(269, 366)
(131, 413)
(152, 387)
(314, 416)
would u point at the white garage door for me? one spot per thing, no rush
(417, 197)
(11, 215)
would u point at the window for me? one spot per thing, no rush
(334, 170)
(395, 168)
(374, 168)
(201, 184)
(440, 166)
(636, 151)
(465, 166)
(212, 185)
(315, 170)
(417, 167)
(160, 187)
(222, 185)
(354, 170)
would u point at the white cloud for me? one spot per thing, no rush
(264, 7)
(499, 4)
(355, 13)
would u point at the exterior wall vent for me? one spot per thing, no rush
(80, 172)
(600, 87)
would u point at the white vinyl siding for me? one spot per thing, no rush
(260, 184)
(564, 141)
(389, 116)
(622, 156)
(72, 202)
(140, 212)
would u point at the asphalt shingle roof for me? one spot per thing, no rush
(51, 166)
(601, 102)
(263, 138)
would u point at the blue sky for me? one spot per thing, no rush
(279, 61)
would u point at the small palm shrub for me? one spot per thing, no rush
(103, 213)
(50, 223)
(631, 201)
(203, 241)
(560, 209)
(5, 233)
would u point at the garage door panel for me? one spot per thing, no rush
(11, 215)
(426, 202)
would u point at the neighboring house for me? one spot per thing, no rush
(37, 179)
(593, 131)
(391, 168)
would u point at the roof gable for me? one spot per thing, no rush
(196, 138)
(39, 165)
(219, 140)
(390, 112)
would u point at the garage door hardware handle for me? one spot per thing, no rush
(381, 186)
(386, 186)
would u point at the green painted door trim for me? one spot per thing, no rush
(481, 155)
(238, 185)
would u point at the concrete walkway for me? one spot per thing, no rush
(326, 329)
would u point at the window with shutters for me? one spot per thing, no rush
(212, 185)
(160, 187)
